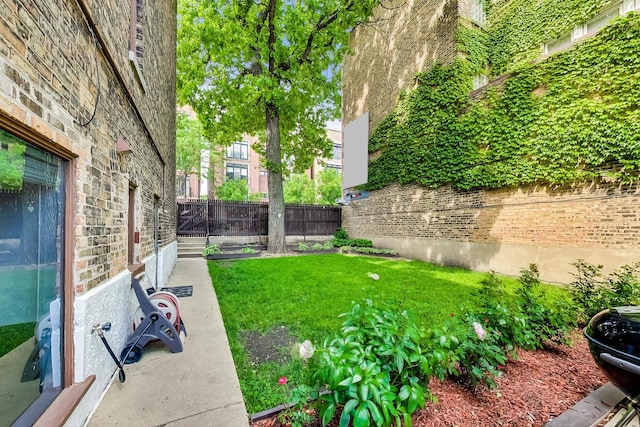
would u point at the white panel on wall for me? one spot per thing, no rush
(355, 160)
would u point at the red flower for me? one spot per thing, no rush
(282, 380)
(453, 314)
(486, 320)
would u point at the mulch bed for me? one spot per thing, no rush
(534, 389)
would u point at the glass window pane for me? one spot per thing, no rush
(31, 246)
(600, 21)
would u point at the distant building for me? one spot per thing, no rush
(240, 161)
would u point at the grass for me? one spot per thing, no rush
(308, 293)
(12, 336)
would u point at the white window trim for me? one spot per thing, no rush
(582, 31)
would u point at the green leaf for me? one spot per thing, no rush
(361, 417)
(327, 413)
(404, 392)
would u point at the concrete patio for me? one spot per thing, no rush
(198, 387)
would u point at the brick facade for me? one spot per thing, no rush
(405, 37)
(49, 82)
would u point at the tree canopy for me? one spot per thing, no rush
(299, 188)
(271, 69)
(236, 190)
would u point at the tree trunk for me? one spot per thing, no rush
(277, 242)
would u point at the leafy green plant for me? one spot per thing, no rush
(480, 353)
(363, 243)
(247, 250)
(496, 314)
(587, 290)
(544, 321)
(592, 292)
(328, 244)
(341, 233)
(624, 285)
(211, 250)
(303, 246)
(317, 246)
(367, 250)
(299, 399)
(373, 368)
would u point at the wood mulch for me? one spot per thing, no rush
(535, 388)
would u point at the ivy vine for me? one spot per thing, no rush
(575, 116)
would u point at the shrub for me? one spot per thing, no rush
(496, 314)
(372, 251)
(624, 286)
(591, 292)
(373, 368)
(587, 290)
(544, 321)
(362, 243)
(468, 348)
(341, 233)
(211, 249)
(303, 246)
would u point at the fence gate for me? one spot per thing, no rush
(192, 218)
(221, 218)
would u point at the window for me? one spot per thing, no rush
(336, 167)
(557, 45)
(629, 5)
(480, 80)
(32, 202)
(136, 40)
(594, 25)
(237, 172)
(238, 150)
(337, 152)
(591, 27)
(477, 12)
(264, 172)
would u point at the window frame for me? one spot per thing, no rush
(136, 48)
(239, 166)
(55, 406)
(243, 147)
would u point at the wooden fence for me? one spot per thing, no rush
(220, 218)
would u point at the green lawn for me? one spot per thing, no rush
(307, 293)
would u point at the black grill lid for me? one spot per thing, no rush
(617, 328)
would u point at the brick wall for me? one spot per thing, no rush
(405, 37)
(588, 222)
(50, 80)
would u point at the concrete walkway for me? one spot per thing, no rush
(198, 387)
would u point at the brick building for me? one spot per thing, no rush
(241, 161)
(87, 191)
(504, 229)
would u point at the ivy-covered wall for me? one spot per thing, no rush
(486, 179)
(517, 28)
(571, 118)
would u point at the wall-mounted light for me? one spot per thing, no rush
(122, 147)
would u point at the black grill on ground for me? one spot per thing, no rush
(614, 342)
